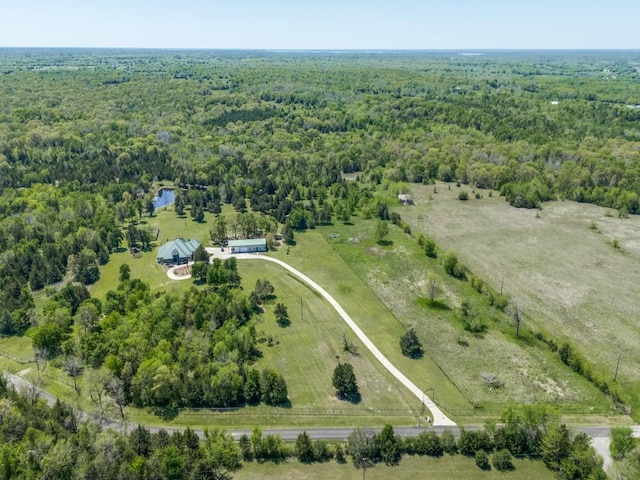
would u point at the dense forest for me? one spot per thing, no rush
(86, 136)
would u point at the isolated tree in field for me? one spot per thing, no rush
(432, 288)
(348, 346)
(381, 231)
(410, 344)
(517, 313)
(344, 381)
(263, 290)
(360, 444)
(282, 316)
(124, 272)
(287, 233)
(178, 203)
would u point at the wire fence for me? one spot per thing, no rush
(21, 361)
(306, 411)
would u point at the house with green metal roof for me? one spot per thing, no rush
(177, 251)
(248, 246)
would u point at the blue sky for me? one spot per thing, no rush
(328, 24)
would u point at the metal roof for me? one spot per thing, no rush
(247, 243)
(183, 247)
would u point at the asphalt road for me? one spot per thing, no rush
(342, 433)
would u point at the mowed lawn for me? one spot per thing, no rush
(308, 350)
(571, 280)
(143, 265)
(396, 274)
(410, 468)
(314, 256)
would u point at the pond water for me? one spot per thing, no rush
(164, 197)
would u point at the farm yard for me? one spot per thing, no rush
(560, 263)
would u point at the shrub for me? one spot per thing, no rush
(471, 442)
(622, 442)
(321, 452)
(463, 195)
(340, 454)
(502, 460)
(449, 444)
(449, 262)
(410, 345)
(482, 460)
(430, 248)
(428, 443)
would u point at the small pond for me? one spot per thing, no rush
(164, 197)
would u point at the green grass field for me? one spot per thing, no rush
(321, 261)
(143, 265)
(410, 468)
(558, 262)
(17, 348)
(309, 349)
(395, 274)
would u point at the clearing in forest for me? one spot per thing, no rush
(574, 267)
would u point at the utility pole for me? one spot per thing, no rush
(617, 365)
(301, 307)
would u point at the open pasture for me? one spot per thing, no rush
(559, 263)
(396, 274)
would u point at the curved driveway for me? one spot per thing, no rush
(439, 418)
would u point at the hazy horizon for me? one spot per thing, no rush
(330, 25)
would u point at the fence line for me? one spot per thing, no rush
(308, 411)
(16, 359)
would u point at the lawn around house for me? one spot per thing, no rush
(143, 264)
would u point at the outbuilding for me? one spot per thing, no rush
(248, 245)
(177, 251)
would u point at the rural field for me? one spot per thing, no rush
(395, 274)
(560, 263)
(443, 468)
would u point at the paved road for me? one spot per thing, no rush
(439, 418)
(342, 433)
(599, 435)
